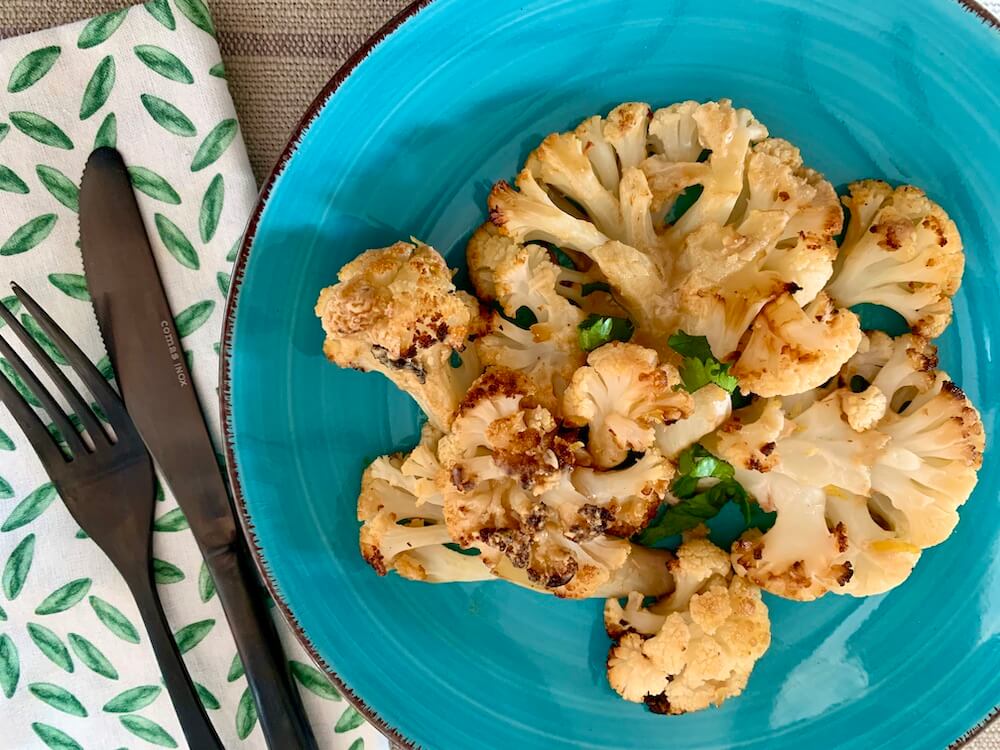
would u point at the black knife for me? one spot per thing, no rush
(148, 359)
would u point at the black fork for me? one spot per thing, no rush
(108, 485)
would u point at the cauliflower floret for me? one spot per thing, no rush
(486, 250)
(401, 533)
(723, 312)
(581, 284)
(519, 532)
(409, 512)
(500, 431)
(748, 439)
(396, 311)
(622, 394)
(778, 239)
(599, 150)
(711, 406)
(900, 368)
(667, 180)
(638, 285)
(560, 162)
(863, 409)
(603, 167)
(820, 448)
(792, 350)
(797, 467)
(762, 226)
(547, 352)
(630, 497)
(855, 507)
(549, 361)
(673, 132)
(695, 647)
(726, 132)
(878, 558)
(901, 251)
(422, 470)
(529, 213)
(777, 181)
(508, 490)
(798, 557)
(929, 467)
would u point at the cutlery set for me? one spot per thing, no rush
(104, 473)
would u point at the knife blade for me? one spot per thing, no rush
(148, 358)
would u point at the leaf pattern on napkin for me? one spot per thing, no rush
(100, 28)
(98, 89)
(59, 186)
(166, 63)
(58, 698)
(32, 68)
(76, 670)
(168, 116)
(150, 183)
(41, 129)
(29, 234)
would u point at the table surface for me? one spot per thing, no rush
(278, 54)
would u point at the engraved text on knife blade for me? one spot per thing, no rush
(175, 353)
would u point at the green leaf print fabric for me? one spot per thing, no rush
(76, 668)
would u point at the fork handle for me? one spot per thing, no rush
(194, 721)
(279, 708)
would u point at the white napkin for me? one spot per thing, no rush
(75, 666)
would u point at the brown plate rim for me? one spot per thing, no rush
(238, 273)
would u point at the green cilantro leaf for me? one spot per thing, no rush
(697, 505)
(597, 330)
(686, 345)
(700, 367)
(692, 512)
(524, 317)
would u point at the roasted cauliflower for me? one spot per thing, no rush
(396, 311)
(902, 251)
(762, 227)
(663, 329)
(546, 351)
(793, 349)
(695, 647)
(402, 519)
(862, 479)
(510, 489)
(621, 395)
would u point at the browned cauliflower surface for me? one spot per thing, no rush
(694, 648)
(662, 327)
(396, 311)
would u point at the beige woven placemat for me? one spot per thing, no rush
(278, 54)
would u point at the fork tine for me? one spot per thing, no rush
(51, 406)
(76, 401)
(32, 426)
(81, 364)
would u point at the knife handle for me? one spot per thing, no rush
(198, 730)
(279, 708)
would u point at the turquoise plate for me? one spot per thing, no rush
(406, 140)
